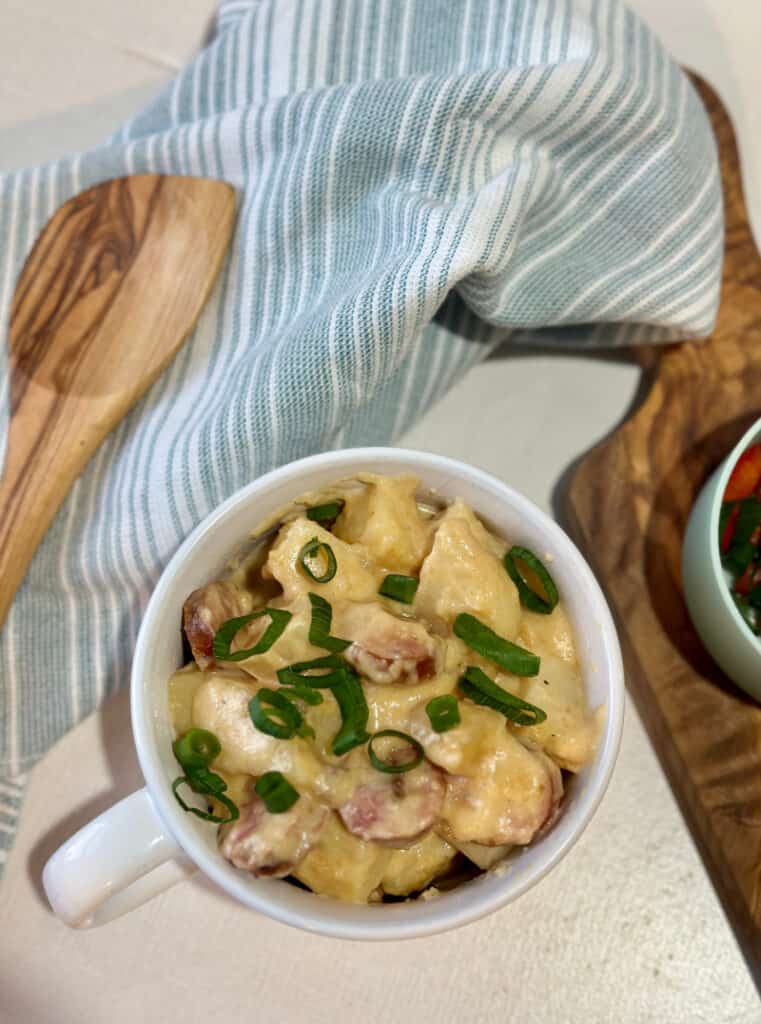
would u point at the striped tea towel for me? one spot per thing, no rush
(417, 179)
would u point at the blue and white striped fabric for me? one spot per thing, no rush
(418, 179)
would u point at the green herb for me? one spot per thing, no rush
(301, 692)
(276, 792)
(389, 767)
(319, 627)
(350, 698)
(327, 513)
(400, 588)
(226, 801)
(224, 636)
(742, 550)
(443, 712)
(334, 674)
(274, 714)
(489, 644)
(530, 596)
(746, 610)
(477, 686)
(301, 672)
(196, 749)
(313, 551)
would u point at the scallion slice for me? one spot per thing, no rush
(530, 596)
(350, 698)
(388, 766)
(327, 513)
(196, 749)
(301, 692)
(488, 644)
(300, 672)
(313, 551)
(399, 588)
(319, 627)
(283, 720)
(225, 800)
(477, 686)
(223, 638)
(276, 792)
(443, 712)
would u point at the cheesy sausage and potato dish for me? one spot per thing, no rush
(380, 694)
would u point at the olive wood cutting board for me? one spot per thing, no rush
(627, 505)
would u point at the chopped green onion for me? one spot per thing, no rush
(529, 596)
(389, 767)
(196, 749)
(327, 513)
(477, 686)
(313, 550)
(296, 674)
(489, 644)
(443, 712)
(350, 698)
(204, 781)
(399, 588)
(283, 721)
(225, 800)
(305, 693)
(319, 627)
(347, 690)
(276, 792)
(224, 636)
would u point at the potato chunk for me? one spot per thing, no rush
(416, 866)
(569, 733)
(385, 519)
(343, 866)
(356, 578)
(462, 574)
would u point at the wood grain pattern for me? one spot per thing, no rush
(107, 296)
(627, 505)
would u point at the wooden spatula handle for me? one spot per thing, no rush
(109, 293)
(38, 473)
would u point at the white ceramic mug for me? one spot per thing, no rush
(145, 842)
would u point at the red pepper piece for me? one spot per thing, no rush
(729, 529)
(745, 583)
(746, 476)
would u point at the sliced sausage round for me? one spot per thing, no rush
(271, 845)
(395, 809)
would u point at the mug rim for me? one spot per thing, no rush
(319, 919)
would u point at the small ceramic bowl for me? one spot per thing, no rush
(125, 856)
(706, 589)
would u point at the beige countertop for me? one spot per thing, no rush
(627, 928)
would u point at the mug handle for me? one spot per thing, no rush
(115, 863)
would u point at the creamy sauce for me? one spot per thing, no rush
(484, 786)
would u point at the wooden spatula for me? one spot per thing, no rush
(112, 288)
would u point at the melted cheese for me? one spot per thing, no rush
(461, 574)
(221, 706)
(414, 867)
(383, 517)
(342, 866)
(293, 644)
(356, 578)
(569, 733)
